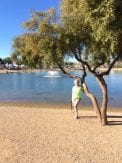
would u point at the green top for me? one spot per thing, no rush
(76, 92)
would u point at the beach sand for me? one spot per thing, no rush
(48, 135)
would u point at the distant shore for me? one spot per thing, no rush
(5, 71)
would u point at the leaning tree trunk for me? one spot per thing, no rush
(103, 109)
(94, 101)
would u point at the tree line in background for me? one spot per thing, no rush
(67, 64)
(9, 61)
(90, 31)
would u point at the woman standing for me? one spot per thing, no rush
(76, 96)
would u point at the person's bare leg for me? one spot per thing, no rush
(76, 112)
(76, 102)
(73, 104)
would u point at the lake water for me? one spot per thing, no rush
(42, 87)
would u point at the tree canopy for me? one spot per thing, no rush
(91, 29)
(7, 60)
(43, 41)
(97, 25)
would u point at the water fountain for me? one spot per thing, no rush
(52, 74)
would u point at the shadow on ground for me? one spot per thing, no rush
(117, 121)
(87, 117)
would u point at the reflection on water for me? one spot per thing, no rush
(56, 88)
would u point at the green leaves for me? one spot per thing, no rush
(93, 24)
(87, 29)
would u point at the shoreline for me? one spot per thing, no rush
(5, 71)
(54, 106)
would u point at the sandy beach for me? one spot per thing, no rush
(48, 135)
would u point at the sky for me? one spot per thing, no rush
(12, 14)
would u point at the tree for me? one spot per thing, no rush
(7, 60)
(89, 31)
(96, 27)
(25, 51)
(1, 61)
(42, 41)
(48, 32)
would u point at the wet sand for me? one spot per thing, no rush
(49, 135)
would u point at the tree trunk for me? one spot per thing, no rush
(94, 101)
(103, 109)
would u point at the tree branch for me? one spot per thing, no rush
(84, 74)
(100, 64)
(110, 67)
(84, 63)
(65, 72)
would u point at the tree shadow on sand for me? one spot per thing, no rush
(87, 117)
(118, 120)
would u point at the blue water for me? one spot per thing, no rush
(39, 87)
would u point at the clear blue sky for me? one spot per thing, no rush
(12, 14)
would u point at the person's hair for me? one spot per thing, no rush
(77, 81)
